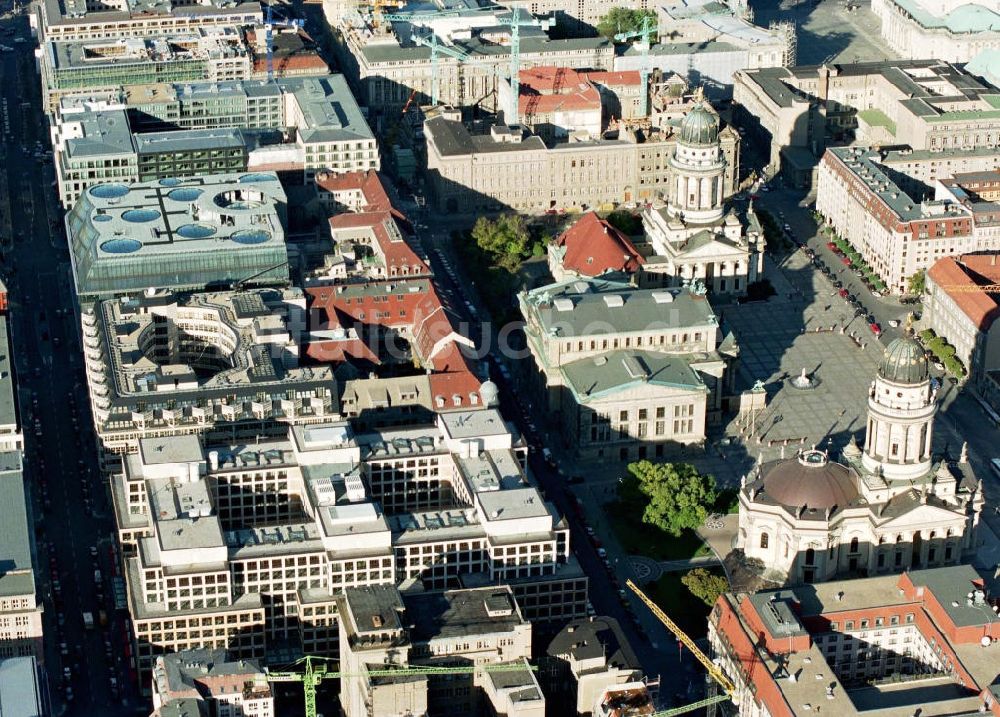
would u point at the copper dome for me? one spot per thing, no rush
(904, 362)
(700, 127)
(810, 480)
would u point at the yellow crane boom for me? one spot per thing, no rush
(713, 670)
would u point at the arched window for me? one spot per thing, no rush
(854, 544)
(810, 556)
(764, 540)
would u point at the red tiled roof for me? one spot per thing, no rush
(625, 77)
(341, 182)
(951, 275)
(338, 351)
(293, 54)
(454, 386)
(368, 183)
(413, 306)
(549, 78)
(307, 62)
(551, 89)
(593, 247)
(398, 257)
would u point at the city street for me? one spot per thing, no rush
(654, 645)
(73, 551)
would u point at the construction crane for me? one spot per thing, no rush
(713, 670)
(404, 15)
(430, 40)
(647, 30)
(269, 36)
(516, 23)
(409, 101)
(437, 49)
(316, 671)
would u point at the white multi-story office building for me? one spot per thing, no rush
(79, 20)
(878, 202)
(260, 538)
(950, 30)
(164, 131)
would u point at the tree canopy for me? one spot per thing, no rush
(676, 495)
(704, 585)
(625, 222)
(506, 239)
(622, 19)
(917, 282)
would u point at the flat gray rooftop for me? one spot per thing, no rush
(597, 307)
(8, 406)
(170, 449)
(470, 424)
(16, 576)
(460, 613)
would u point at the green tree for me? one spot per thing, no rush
(625, 222)
(917, 283)
(677, 496)
(704, 585)
(954, 366)
(505, 239)
(622, 19)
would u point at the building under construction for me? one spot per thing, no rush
(453, 56)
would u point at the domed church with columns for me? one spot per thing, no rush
(886, 506)
(694, 236)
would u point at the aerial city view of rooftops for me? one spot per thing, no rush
(495, 358)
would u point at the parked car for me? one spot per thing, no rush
(876, 329)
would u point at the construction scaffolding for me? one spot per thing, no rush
(786, 30)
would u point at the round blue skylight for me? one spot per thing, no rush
(196, 231)
(250, 236)
(184, 194)
(109, 191)
(257, 177)
(102, 217)
(139, 216)
(121, 246)
(170, 182)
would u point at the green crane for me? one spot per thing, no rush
(516, 23)
(438, 48)
(316, 670)
(430, 40)
(647, 30)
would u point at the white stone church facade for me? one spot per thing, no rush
(885, 507)
(693, 236)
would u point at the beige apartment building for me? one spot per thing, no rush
(476, 172)
(922, 104)
(80, 20)
(248, 545)
(626, 371)
(387, 68)
(899, 229)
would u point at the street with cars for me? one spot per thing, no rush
(87, 653)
